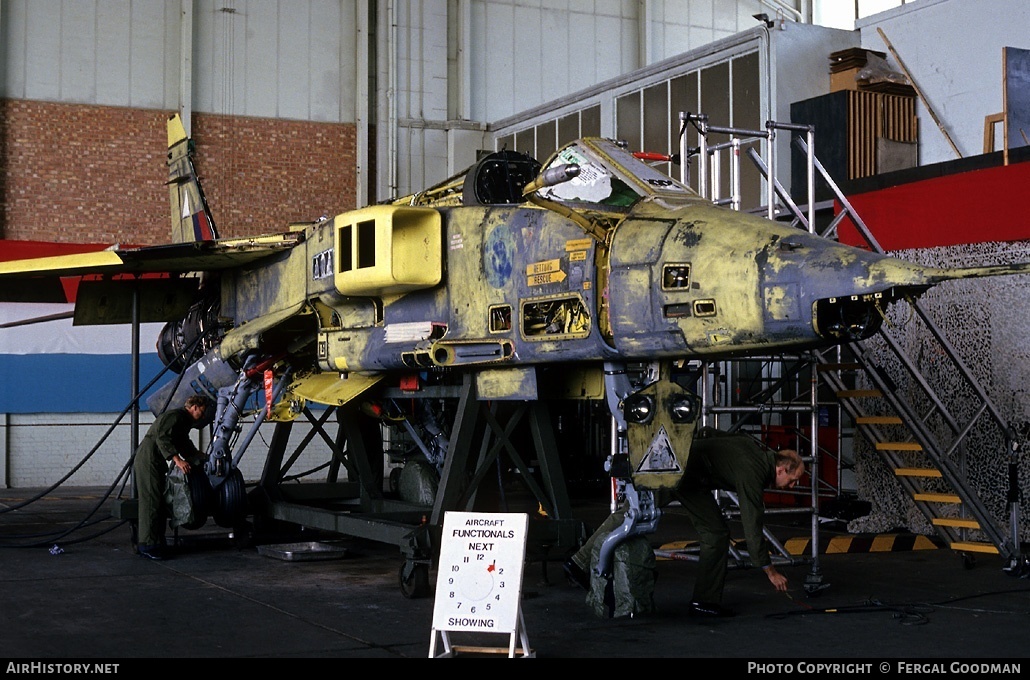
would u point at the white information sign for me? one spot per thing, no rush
(479, 581)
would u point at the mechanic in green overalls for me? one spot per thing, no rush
(168, 439)
(717, 460)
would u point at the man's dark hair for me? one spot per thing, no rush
(198, 400)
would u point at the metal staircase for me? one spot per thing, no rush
(924, 442)
(908, 422)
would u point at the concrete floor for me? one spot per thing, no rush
(94, 599)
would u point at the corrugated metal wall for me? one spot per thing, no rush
(455, 60)
(267, 58)
(455, 66)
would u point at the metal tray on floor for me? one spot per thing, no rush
(303, 552)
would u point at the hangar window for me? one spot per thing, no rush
(555, 318)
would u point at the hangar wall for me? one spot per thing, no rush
(740, 81)
(953, 50)
(422, 81)
(79, 173)
(419, 81)
(285, 59)
(506, 56)
(89, 449)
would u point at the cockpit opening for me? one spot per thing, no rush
(498, 178)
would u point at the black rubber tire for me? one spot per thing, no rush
(231, 501)
(200, 498)
(416, 586)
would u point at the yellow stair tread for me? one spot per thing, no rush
(970, 546)
(879, 420)
(918, 472)
(958, 522)
(848, 394)
(937, 497)
(899, 446)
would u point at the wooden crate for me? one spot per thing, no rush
(848, 125)
(871, 116)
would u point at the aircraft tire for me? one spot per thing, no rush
(200, 498)
(231, 501)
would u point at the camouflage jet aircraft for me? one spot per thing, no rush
(509, 282)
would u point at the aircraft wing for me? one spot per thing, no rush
(39, 279)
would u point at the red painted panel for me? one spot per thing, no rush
(23, 250)
(971, 207)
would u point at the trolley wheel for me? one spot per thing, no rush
(395, 480)
(1019, 567)
(414, 580)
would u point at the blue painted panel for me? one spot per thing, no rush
(72, 383)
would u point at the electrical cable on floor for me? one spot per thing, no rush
(53, 537)
(943, 604)
(915, 614)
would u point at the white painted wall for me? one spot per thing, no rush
(422, 94)
(109, 52)
(953, 49)
(275, 58)
(44, 448)
(527, 52)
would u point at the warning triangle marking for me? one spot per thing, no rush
(660, 456)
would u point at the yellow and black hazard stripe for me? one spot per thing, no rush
(853, 544)
(862, 544)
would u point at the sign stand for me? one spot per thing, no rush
(479, 581)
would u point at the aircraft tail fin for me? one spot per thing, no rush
(191, 217)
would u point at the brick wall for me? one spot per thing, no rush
(92, 174)
(261, 174)
(81, 174)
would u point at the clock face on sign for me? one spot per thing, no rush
(474, 580)
(479, 580)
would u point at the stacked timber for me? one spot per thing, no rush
(867, 70)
